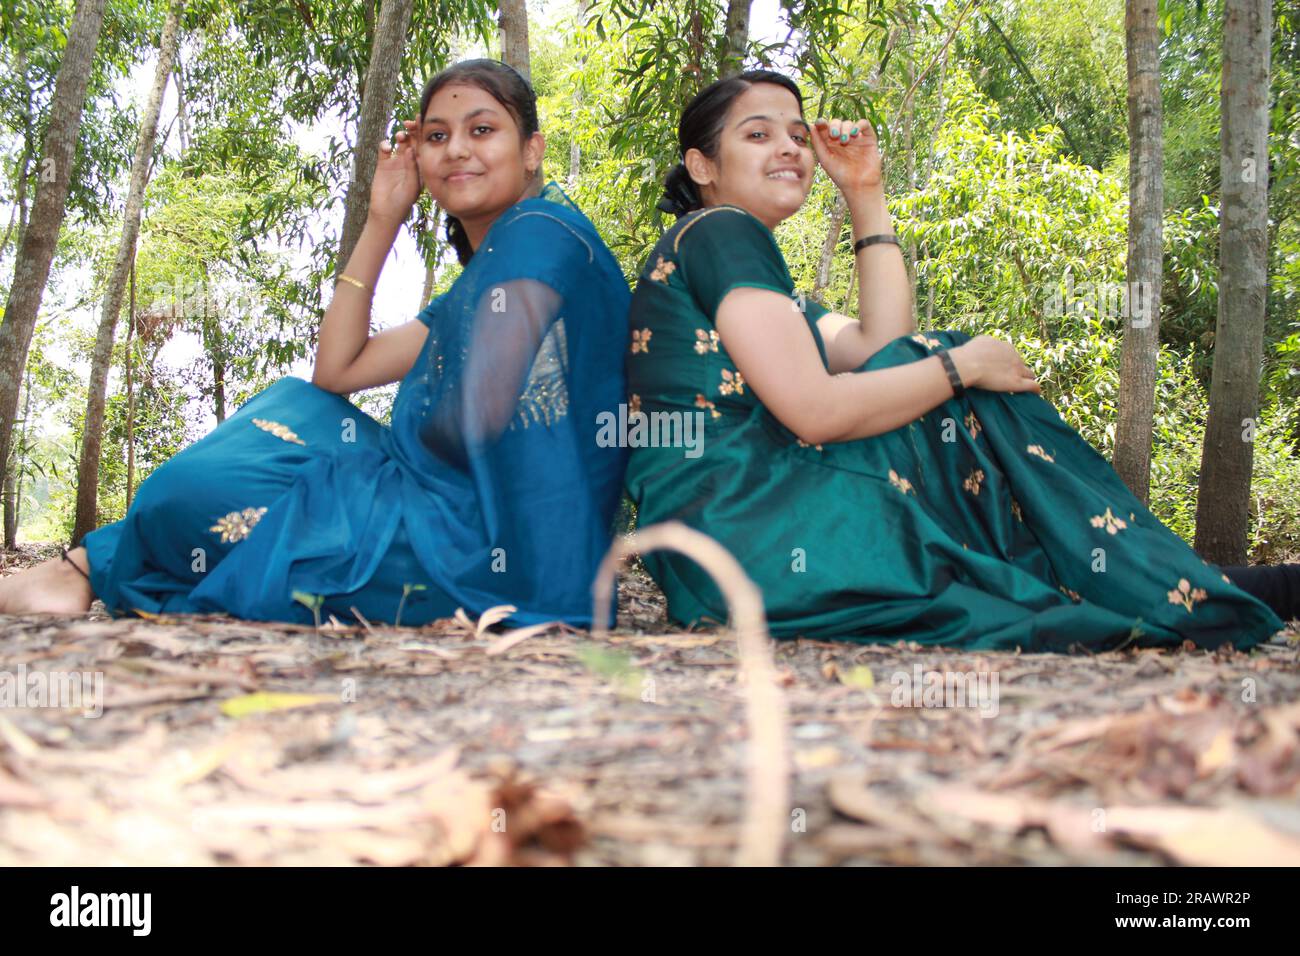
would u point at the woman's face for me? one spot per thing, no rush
(765, 159)
(470, 157)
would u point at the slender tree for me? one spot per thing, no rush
(372, 126)
(36, 252)
(512, 23)
(1223, 502)
(575, 151)
(733, 61)
(92, 436)
(1137, 376)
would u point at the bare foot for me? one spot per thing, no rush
(52, 587)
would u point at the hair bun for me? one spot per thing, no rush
(681, 195)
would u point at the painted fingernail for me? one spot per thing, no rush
(844, 138)
(854, 131)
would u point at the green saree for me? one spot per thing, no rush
(988, 523)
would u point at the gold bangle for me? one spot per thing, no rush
(356, 282)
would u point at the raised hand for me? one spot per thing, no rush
(849, 152)
(396, 185)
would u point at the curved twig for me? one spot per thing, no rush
(768, 798)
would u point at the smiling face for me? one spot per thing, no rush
(765, 159)
(470, 156)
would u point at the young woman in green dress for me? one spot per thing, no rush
(877, 483)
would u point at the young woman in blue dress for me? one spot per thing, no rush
(489, 488)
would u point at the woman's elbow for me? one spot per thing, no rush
(817, 435)
(826, 427)
(325, 381)
(816, 429)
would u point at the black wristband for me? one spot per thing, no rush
(872, 240)
(958, 389)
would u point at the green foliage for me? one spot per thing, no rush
(1007, 218)
(312, 602)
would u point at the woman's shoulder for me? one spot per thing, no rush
(717, 224)
(551, 223)
(551, 241)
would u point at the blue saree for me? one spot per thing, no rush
(489, 487)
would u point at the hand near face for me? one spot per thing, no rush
(396, 185)
(849, 152)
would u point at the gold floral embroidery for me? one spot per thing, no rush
(702, 402)
(237, 525)
(662, 270)
(1074, 595)
(921, 339)
(732, 383)
(1226, 578)
(278, 430)
(545, 398)
(1186, 595)
(706, 341)
(1015, 510)
(973, 425)
(640, 340)
(972, 484)
(902, 484)
(634, 404)
(804, 444)
(1109, 521)
(1038, 450)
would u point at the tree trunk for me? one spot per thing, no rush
(575, 151)
(18, 217)
(835, 227)
(214, 343)
(1137, 376)
(181, 114)
(36, 251)
(1223, 503)
(733, 61)
(925, 182)
(11, 501)
(430, 273)
(834, 230)
(512, 21)
(909, 157)
(372, 127)
(130, 394)
(92, 435)
(17, 475)
(11, 506)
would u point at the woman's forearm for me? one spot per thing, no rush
(345, 327)
(884, 290)
(856, 405)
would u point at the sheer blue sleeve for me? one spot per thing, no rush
(510, 342)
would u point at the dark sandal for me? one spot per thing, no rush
(64, 551)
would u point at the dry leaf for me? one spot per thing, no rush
(265, 701)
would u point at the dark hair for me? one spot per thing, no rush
(508, 87)
(701, 128)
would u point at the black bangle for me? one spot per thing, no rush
(958, 389)
(872, 240)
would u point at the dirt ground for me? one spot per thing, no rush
(229, 742)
